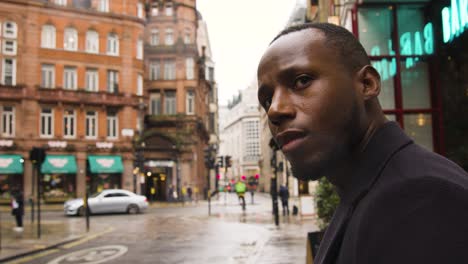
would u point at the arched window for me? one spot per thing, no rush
(48, 37)
(92, 41)
(10, 30)
(70, 39)
(112, 44)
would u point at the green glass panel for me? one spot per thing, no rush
(11, 164)
(415, 83)
(419, 128)
(59, 164)
(105, 164)
(375, 27)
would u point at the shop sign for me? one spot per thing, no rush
(411, 43)
(127, 132)
(58, 162)
(106, 163)
(6, 143)
(57, 144)
(160, 163)
(454, 19)
(104, 145)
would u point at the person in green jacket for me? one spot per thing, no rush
(241, 188)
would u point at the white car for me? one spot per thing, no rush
(108, 201)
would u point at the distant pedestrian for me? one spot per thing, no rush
(189, 193)
(284, 195)
(17, 208)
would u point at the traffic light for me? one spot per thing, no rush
(257, 176)
(221, 161)
(228, 161)
(243, 177)
(208, 159)
(37, 155)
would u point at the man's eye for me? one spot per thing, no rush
(302, 81)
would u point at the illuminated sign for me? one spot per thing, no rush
(454, 19)
(411, 43)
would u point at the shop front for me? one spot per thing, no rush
(11, 175)
(58, 178)
(420, 50)
(158, 180)
(105, 172)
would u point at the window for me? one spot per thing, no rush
(9, 47)
(103, 5)
(69, 78)
(112, 125)
(113, 81)
(189, 69)
(47, 123)
(112, 44)
(190, 103)
(155, 9)
(10, 30)
(92, 41)
(92, 80)
(187, 38)
(8, 121)
(140, 84)
(154, 39)
(70, 39)
(140, 10)
(139, 46)
(69, 124)
(210, 74)
(155, 103)
(252, 143)
(169, 40)
(91, 124)
(169, 70)
(61, 2)
(48, 37)
(48, 76)
(155, 70)
(170, 103)
(8, 71)
(169, 9)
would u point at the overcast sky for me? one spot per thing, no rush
(239, 33)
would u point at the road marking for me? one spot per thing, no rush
(87, 238)
(94, 255)
(32, 257)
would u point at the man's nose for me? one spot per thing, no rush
(281, 107)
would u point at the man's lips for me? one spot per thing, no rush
(290, 139)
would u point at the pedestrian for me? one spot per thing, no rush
(240, 188)
(189, 193)
(17, 208)
(398, 201)
(284, 196)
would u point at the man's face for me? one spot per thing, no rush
(311, 103)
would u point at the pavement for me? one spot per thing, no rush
(53, 233)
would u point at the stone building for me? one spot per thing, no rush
(71, 83)
(179, 90)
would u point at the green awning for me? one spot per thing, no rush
(59, 164)
(105, 164)
(11, 164)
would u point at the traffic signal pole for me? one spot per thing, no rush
(274, 189)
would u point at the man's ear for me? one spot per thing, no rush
(369, 80)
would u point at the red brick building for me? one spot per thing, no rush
(71, 82)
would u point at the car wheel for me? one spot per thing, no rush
(133, 209)
(81, 211)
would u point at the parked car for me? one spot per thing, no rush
(108, 201)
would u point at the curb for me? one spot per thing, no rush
(34, 251)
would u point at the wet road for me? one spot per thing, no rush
(187, 235)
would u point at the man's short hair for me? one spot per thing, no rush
(351, 52)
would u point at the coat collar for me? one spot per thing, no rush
(386, 141)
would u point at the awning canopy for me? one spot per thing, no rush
(59, 164)
(105, 164)
(11, 164)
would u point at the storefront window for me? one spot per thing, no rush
(387, 89)
(415, 34)
(415, 84)
(58, 187)
(419, 128)
(375, 30)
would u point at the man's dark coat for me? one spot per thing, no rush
(405, 205)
